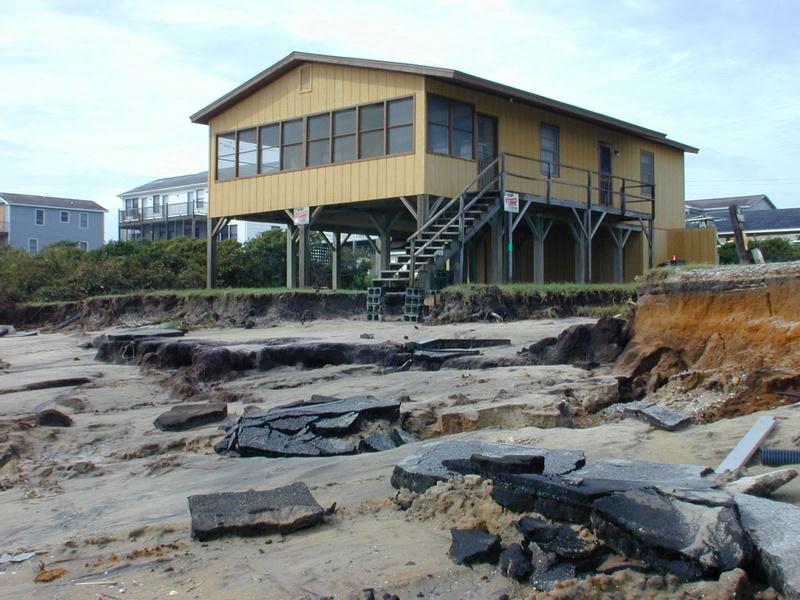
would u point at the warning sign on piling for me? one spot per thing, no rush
(301, 215)
(511, 202)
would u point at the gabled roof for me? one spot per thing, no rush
(740, 201)
(51, 202)
(763, 221)
(296, 59)
(168, 183)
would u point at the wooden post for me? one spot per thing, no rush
(423, 204)
(303, 262)
(336, 265)
(211, 254)
(540, 227)
(580, 252)
(498, 252)
(291, 257)
(737, 218)
(385, 246)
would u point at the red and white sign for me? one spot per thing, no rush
(511, 202)
(302, 215)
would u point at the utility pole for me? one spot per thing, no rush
(737, 222)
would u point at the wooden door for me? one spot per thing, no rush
(486, 147)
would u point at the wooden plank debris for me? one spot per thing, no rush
(747, 446)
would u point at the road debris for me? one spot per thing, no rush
(281, 510)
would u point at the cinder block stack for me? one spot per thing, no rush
(376, 304)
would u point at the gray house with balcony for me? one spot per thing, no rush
(34, 222)
(164, 209)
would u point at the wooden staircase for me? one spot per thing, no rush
(446, 232)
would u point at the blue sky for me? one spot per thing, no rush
(96, 95)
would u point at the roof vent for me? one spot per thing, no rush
(305, 78)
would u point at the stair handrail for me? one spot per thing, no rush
(455, 198)
(458, 215)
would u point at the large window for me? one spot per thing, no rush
(319, 140)
(647, 165)
(39, 216)
(226, 156)
(450, 127)
(361, 132)
(549, 149)
(201, 198)
(83, 220)
(248, 153)
(370, 127)
(270, 142)
(292, 145)
(344, 135)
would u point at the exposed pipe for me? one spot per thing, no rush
(775, 457)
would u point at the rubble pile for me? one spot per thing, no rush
(577, 520)
(326, 426)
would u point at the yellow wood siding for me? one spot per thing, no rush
(519, 133)
(2, 213)
(332, 87)
(692, 245)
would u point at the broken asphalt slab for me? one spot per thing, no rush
(570, 496)
(330, 427)
(685, 538)
(470, 546)
(657, 416)
(426, 467)
(189, 416)
(774, 528)
(282, 510)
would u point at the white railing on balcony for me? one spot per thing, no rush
(163, 211)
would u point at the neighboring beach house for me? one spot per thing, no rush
(34, 222)
(460, 176)
(172, 207)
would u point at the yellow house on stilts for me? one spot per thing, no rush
(456, 178)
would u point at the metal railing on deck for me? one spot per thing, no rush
(575, 184)
(163, 211)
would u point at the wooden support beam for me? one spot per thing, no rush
(521, 215)
(410, 208)
(436, 205)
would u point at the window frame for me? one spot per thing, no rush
(556, 172)
(257, 151)
(648, 189)
(82, 245)
(307, 140)
(359, 131)
(451, 127)
(81, 217)
(304, 119)
(36, 213)
(353, 135)
(61, 215)
(36, 243)
(388, 127)
(223, 134)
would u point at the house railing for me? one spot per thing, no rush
(162, 212)
(565, 182)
